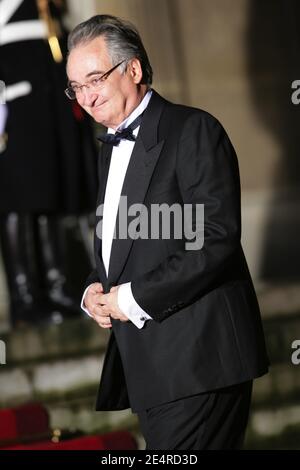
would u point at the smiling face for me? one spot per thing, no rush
(118, 96)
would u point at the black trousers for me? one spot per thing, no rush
(215, 420)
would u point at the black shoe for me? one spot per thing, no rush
(52, 254)
(17, 246)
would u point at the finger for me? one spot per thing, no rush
(115, 315)
(104, 325)
(96, 287)
(104, 322)
(99, 311)
(95, 298)
(91, 296)
(107, 310)
(102, 298)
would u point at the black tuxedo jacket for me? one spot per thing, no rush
(206, 331)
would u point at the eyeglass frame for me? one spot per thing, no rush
(101, 79)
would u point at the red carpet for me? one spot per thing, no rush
(119, 440)
(27, 427)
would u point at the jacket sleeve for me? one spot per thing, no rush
(93, 277)
(207, 173)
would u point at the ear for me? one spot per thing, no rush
(135, 70)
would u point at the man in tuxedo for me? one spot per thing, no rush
(186, 336)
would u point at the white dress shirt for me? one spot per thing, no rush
(120, 159)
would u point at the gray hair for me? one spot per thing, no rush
(122, 39)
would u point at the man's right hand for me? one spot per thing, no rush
(92, 303)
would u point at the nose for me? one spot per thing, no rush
(87, 97)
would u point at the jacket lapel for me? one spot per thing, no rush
(143, 160)
(103, 168)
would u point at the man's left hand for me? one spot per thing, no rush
(109, 305)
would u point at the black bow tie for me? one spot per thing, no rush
(126, 133)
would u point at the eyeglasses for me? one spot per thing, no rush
(94, 84)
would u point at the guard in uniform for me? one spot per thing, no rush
(47, 161)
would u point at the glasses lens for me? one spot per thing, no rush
(70, 93)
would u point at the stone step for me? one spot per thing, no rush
(61, 360)
(60, 365)
(52, 363)
(80, 415)
(70, 339)
(275, 427)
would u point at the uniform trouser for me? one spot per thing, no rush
(214, 420)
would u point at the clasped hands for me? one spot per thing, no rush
(102, 307)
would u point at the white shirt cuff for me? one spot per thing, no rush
(82, 302)
(130, 307)
(3, 117)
